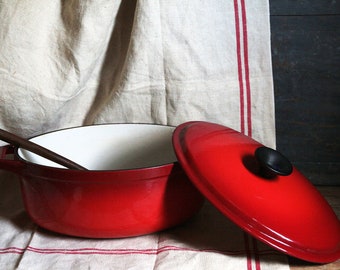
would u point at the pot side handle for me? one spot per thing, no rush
(10, 165)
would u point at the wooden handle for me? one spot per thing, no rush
(39, 150)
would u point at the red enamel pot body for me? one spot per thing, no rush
(134, 185)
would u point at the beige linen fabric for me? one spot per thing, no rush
(72, 63)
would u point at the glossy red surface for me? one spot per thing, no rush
(286, 212)
(108, 203)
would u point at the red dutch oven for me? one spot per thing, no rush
(136, 186)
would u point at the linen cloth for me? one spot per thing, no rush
(69, 63)
(207, 241)
(73, 63)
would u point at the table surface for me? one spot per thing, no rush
(332, 194)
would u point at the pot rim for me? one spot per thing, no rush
(31, 168)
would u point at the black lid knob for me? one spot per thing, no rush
(272, 162)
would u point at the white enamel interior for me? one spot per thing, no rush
(108, 147)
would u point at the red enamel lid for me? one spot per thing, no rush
(282, 209)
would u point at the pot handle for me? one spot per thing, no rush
(7, 164)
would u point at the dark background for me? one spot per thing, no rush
(306, 69)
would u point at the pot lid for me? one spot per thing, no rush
(259, 190)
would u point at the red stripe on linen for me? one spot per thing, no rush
(243, 67)
(252, 252)
(256, 255)
(246, 66)
(99, 251)
(102, 251)
(248, 251)
(11, 250)
(239, 63)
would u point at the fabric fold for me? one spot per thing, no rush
(74, 63)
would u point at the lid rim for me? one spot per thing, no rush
(264, 234)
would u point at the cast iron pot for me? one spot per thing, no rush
(134, 185)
